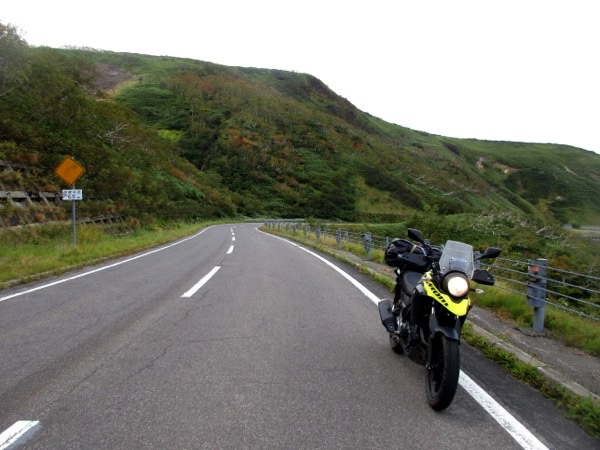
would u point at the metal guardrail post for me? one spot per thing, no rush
(368, 245)
(536, 291)
(338, 238)
(318, 234)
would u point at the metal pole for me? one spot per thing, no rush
(74, 218)
(368, 245)
(536, 291)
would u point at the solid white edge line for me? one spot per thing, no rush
(201, 283)
(18, 430)
(515, 428)
(44, 286)
(359, 286)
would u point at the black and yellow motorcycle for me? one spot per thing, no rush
(430, 306)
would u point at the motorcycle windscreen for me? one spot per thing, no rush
(457, 256)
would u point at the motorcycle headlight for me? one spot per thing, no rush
(456, 284)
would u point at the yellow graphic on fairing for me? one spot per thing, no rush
(460, 309)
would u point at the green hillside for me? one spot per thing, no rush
(171, 137)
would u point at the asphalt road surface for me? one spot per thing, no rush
(235, 339)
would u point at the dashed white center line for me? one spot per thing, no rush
(230, 251)
(202, 282)
(208, 276)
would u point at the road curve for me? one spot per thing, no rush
(231, 338)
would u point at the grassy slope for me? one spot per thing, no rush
(544, 180)
(267, 142)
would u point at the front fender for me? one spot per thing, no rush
(449, 332)
(435, 328)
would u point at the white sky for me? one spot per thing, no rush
(514, 70)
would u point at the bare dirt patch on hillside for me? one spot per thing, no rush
(110, 77)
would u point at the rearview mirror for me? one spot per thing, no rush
(491, 252)
(416, 235)
(483, 277)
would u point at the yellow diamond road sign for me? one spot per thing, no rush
(69, 170)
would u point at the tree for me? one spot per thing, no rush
(12, 58)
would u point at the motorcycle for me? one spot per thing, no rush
(430, 306)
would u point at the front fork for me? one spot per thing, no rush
(451, 331)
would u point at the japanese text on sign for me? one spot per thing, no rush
(72, 194)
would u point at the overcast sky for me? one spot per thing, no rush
(513, 70)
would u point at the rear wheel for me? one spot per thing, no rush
(442, 376)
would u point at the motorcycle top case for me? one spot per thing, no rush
(396, 248)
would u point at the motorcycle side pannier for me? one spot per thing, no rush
(396, 248)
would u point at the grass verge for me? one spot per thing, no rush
(30, 253)
(574, 331)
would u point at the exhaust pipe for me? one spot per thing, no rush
(387, 318)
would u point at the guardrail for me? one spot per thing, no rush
(109, 219)
(540, 284)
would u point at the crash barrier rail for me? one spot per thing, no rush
(544, 285)
(540, 284)
(104, 219)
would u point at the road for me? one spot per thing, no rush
(233, 339)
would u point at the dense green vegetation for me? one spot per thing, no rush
(50, 108)
(173, 137)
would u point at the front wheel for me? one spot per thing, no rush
(442, 375)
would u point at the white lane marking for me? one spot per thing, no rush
(356, 284)
(230, 251)
(202, 282)
(515, 428)
(21, 430)
(359, 286)
(101, 268)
